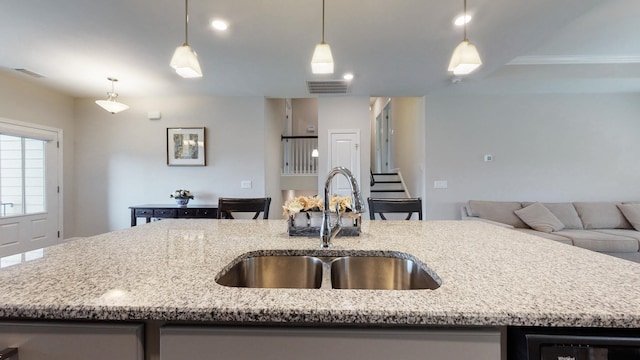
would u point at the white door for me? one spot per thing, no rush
(344, 146)
(29, 196)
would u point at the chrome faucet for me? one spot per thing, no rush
(327, 231)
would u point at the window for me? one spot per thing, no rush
(22, 175)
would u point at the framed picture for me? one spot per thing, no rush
(186, 146)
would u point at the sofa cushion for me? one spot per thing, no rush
(601, 215)
(631, 212)
(538, 217)
(600, 241)
(621, 232)
(502, 212)
(550, 236)
(565, 212)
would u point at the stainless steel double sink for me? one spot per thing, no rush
(358, 270)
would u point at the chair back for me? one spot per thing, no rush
(227, 206)
(403, 205)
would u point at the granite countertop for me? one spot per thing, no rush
(165, 270)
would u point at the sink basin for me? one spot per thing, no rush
(278, 271)
(328, 269)
(379, 273)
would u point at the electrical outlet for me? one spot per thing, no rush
(245, 184)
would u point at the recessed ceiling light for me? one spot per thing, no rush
(462, 19)
(220, 25)
(348, 76)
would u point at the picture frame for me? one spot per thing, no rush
(186, 146)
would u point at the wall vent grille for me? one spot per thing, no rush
(328, 86)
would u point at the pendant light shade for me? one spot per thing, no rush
(111, 105)
(465, 58)
(184, 60)
(322, 60)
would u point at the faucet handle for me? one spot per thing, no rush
(338, 215)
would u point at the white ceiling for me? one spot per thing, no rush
(394, 48)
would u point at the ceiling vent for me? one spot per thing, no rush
(29, 73)
(328, 87)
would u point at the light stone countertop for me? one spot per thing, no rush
(165, 270)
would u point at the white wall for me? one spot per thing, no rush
(348, 112)
(121, 159)
(275, 125)
(24, 99)
(407, 141)
(304, 114)
(545, 147)
(376, 109)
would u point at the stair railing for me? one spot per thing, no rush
(297, 156)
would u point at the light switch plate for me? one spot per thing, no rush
(245, 184)
(440, 184)
(488, 158)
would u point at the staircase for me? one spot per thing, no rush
(388, 185)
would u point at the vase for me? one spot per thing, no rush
(316, 218)
(300, 219)
(182, 201)
(309, 224)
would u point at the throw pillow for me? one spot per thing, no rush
(601, 215)
(632, 213)
(565, 212)
(538, 217)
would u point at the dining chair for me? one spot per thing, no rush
(401, 205)
(227, 206)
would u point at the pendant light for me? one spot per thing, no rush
(465, 58)
(322, 60)
(185, 60)
(111, 105)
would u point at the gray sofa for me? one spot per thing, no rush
(606, 227)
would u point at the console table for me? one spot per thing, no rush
(172, 211)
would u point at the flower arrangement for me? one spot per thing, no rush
(181, 194)
(313, 203)
(305, 217)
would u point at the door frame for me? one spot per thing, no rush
(388, 138)
(23, 128)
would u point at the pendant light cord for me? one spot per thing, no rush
(186, 22)
(323, 21)
(465, 20)
(112, 95)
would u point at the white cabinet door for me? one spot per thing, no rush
(70, 341)
(200, 343)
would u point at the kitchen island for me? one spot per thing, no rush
(164, 273)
